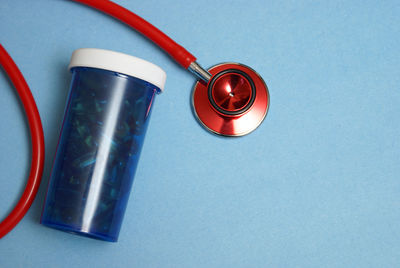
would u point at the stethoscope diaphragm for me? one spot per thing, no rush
(233, 102)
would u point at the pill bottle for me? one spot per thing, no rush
(105, 122)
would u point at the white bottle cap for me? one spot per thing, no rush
(120, 63)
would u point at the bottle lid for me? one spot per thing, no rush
(119, 62)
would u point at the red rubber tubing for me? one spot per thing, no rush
(37, 139)
(177, 52)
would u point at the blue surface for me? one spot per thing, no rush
(317, 185)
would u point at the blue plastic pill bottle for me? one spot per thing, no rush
(102, 134)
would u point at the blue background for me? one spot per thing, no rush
(316, 185)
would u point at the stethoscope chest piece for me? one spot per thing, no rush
(234, 102)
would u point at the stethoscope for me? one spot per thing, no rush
(229, 99)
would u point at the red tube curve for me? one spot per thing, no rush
(177, 52)
(37, 139)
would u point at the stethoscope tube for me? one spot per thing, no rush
(37, 139)
(176, 51)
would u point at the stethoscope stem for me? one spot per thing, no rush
(199, 72)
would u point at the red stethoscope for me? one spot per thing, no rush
(229, 99)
